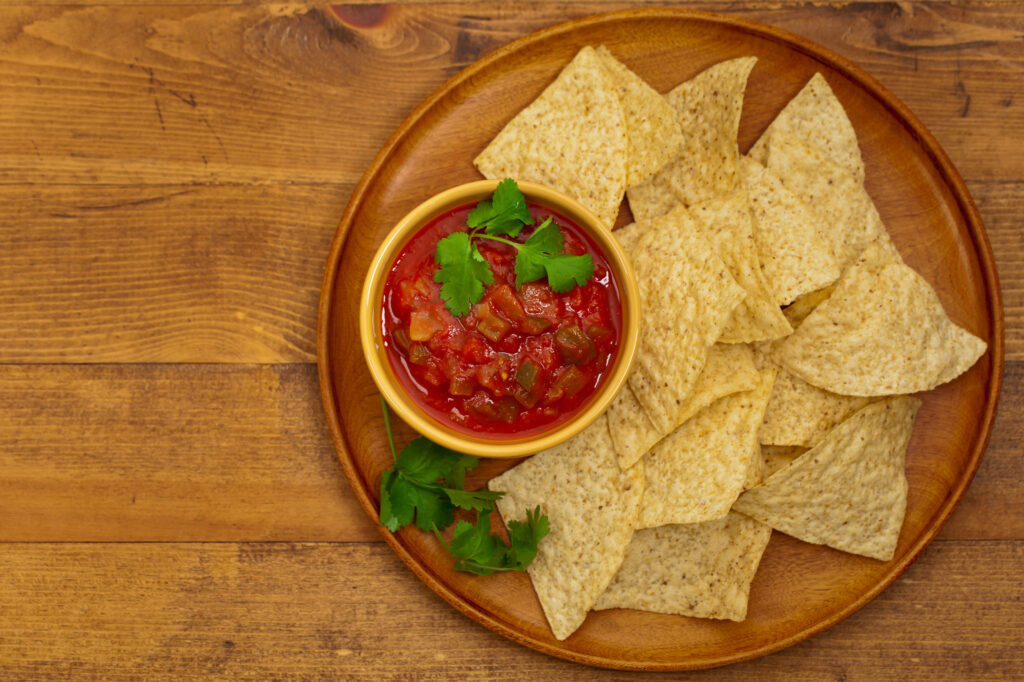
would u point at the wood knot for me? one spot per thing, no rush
(361, 16)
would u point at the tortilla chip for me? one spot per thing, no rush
(687, 296)
(850, 491)
(793, 245)
(882, 332)
(801, 414)
(652, 130)
(728, 369)
(835, 196)
(572, 138)
(629, 235)
(725, 222)
(591, 506)
(697, 569)
(799, 309)
(778, 457)
(708, 107)
(817, 117)
(698, 471)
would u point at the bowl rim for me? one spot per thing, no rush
(408, 409)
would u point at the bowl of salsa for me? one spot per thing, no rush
(499, 319)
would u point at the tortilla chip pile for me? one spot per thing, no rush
(781, 336)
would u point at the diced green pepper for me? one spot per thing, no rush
(574, 345)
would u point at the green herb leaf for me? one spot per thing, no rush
(425, 461)
(456, 478)
(411, 489)
(474, 547)
(540, 257)
(505, 214)
(463, 273)
(524, 538)
(473, 499)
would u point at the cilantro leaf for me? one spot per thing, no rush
(433, 511)
(505, 214)
(524, 537)
(397, 501)
(473, 499)
(463, 273)
(540, 257)
(474, 547)
(456, 478)
(425, 461)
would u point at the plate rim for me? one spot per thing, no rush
(925, 140)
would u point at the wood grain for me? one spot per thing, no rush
(154, 156)
(321, 611)
(288, 93)
(928, 214)
(236, 453)
(169, 452)
(231, 273)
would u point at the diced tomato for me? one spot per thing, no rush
(598, 332)
(504, 300)
(476, 350)
(574, 345)
(543, 350)
(494, 375)
(481, 406)
(424, 323)
(538, 300)
(524, 397)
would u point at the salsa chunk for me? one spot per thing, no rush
(523, 359)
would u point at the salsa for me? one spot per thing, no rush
(521, 361)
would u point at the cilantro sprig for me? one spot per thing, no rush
(464, 272)
(427, 484)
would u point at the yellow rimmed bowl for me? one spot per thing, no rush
(405, 405)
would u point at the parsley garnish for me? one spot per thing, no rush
(464, 272)
(426, 483)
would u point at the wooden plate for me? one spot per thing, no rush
(800, 589)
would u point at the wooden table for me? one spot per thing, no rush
(170, 502)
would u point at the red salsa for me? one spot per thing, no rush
(521, 361)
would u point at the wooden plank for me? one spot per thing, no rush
(345, 611)
(231, 273)
(222, 273)
(291, 93)
(236, 453)
(169, 452)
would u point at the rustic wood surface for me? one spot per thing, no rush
(170, 179)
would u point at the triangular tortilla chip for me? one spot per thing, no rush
(882, 332)
(835, 196)
(799, 413)
(778, 457)
(729, 369)
(572, 138)
(696, 569)
(687, 296)
(850, 491)
(696, 473)
(708, 107)
(591, 506)
(651, 127)
(817, 117)
(725, 221)
(793, 246)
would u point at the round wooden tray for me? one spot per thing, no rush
(800, 589)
